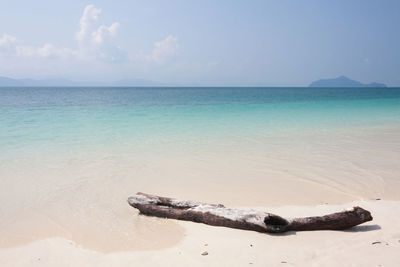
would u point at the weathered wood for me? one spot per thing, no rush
(219, 215)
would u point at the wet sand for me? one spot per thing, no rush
(73, 206)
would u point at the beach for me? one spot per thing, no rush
(373, 244)
(67, 170)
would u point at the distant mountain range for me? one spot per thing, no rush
(343, 81)
(4, 81)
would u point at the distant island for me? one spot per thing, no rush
(343, 81)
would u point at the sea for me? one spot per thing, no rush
(54, 118)
(70, 157)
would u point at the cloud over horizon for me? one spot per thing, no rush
(94, 42)
(203, 43)
(165, 49)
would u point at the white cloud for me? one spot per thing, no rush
(10, 47)
(7, 43)
(165, 49)
(7, 40)
(87, 22)
(95, 42)
(45, 51)
(104, 32)
(88, 30)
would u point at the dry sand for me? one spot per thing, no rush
(375, 243)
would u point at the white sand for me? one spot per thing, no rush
(48, 200)
(230, 247)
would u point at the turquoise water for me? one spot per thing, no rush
(42, 118)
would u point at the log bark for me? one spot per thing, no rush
(219, 215)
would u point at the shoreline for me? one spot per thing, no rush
(84, 197)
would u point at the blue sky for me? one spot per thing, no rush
(270, 43)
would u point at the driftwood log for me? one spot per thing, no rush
(219, 215)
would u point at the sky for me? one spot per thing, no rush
(201, 43)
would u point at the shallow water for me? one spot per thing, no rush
(48, 118)
(70, 157)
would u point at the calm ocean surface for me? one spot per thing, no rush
(44, 118)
